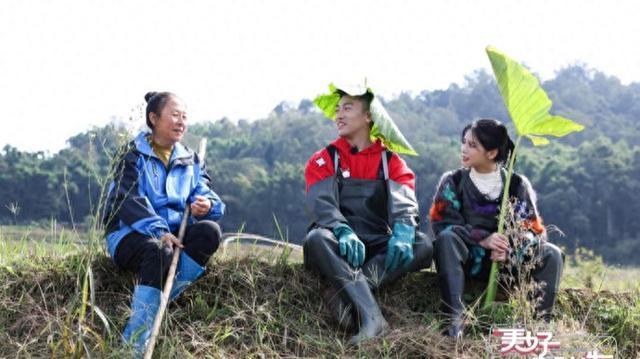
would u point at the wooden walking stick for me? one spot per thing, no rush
(164, 299)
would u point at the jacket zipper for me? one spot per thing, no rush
(155, 174)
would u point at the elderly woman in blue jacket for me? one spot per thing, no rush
(155, 179)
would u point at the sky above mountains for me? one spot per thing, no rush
(68, 66)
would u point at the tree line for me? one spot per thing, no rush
(588, 184)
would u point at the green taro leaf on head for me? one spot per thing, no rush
(384, 128)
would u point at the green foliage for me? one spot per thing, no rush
(588, 184)
(527, 103)
(383, 128)
(586, 270)
(528, 106)
(605, 313)
(622, 321)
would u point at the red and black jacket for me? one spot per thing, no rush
(324, 195)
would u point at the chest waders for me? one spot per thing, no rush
(364, 205)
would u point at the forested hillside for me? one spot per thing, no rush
(588, 183)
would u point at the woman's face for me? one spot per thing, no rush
(474, 155)
(171, 125)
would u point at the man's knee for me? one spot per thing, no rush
(316, 239)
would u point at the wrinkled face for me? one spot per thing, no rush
(170, 126)
(474, 155)
(351, 119)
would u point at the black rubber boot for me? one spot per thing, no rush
(452, 289)
(321, 254)
(370, 321)
(450, 255)
(548, 275)
(375, 272)
(341, 311)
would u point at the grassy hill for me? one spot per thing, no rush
(262, 303)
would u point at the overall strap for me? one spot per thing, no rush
(386, 157)
(385, 164)
(333, 155)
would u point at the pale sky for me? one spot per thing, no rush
(66, 66)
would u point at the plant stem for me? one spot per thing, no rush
(493, 276)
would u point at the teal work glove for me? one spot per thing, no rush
(400, 247)
(351, 248)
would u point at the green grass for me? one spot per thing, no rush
(20, 242)
(585, 269)
(253, 302)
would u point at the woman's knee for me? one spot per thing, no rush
(208, 232)
(204, 235)
(449, 250)
(155, 261)
(447, 241)
(553, 254)
(423, 248)
(156, 254)
(202, 240)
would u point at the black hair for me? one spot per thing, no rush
(491, 134)
(366, 99)
(155, 103)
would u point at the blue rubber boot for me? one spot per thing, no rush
(144, 307)
(187, 272)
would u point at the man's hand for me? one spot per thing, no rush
(351, 247)
(400, 247)
(201, 206)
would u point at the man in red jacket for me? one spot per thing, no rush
(364, 211)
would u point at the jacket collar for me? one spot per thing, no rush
(142, 145)
(343, 146)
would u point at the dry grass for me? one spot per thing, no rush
(250, 305)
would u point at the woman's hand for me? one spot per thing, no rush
(498, 244)
(170, 240)
(497, 256)
(201, 206)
